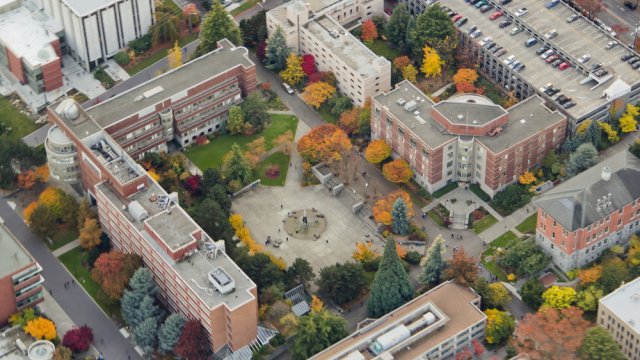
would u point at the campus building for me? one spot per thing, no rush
(466, 138)
(30, 46)
(20, 279)
(318, 28)
(618, 313)
(597, 93)
(97, 29)
(193, 272)
(436, 325)
(590, 212)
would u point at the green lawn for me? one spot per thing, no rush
(483, 224)
(63, 236)
(436, 218)
(447, 188)
(158, 55)
(503, 241)
(276, 158)
(19, 123)
(381, 48)
(528, 226)
(210, 155)
(244, 6)
(73, 260)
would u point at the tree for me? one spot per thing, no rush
(166, 28)
(316, 304)
(41, 328)
(284, 142)
(397, 171)
(583, 158)
(401, 61)
(317, 93)
(78, 339)
(396, 28)
(590, 275)
(587, 298)
(255, 151)
(410, 73)
(21, 318)
(90, 234)
(614, 272)
(612, 135)
(326, 143)
(432, 27)
(175, 56)
(217, 25)
(391, 287)
(464, 75)
(342, 282)
(193, 343)
(383, 207)
(83, 213)
(434, 264)
(465, 87)
(141, 285)
(524, 258)
(316, 332)
(462, 269)
(254, 112)
(592, 7)
(635, 148)
(499, 327)
(27, 179)
(254, 29)
(365, 252)
(431, 62)
(112, 270)
(551, 333)
(628, 122)
(531, 293)
(349, 121)
(369, 32)
(146, 336)
(28, 212)
(633, 254)
(260, 269)
(400, 221)
(598, 344)
(293, 72)
(496, 295)
(309, 65)
(146, 309)
(527, 178)
(511, 198)
(62, 353)
(169, 333)
(377, 151)
(551, 163)
(277, 51)
(300, 272)
(42, 221)
(235, 121)
(236, 166)
(559, 297)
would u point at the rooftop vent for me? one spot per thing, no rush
(334, 33)
(606, 173)
(149, 93)
(522, 121)
(138, 212)
(460, 116)
(221, 280)
(411, 106)
(401, 101)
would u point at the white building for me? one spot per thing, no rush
(318, 28)
(97, 29)
(618, 314)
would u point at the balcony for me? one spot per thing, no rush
(20, 278)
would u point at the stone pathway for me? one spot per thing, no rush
(66, 248)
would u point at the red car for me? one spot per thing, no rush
(456, 18)
(564, 66)
(495, 15)
(551, 59)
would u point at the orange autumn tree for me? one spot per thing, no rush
(465, 80)
(326, 143)
(41, 328)
(401, 62)
(315, 94)
(112, 270)
(27, 179)
(590, 275)
(369, 32)
(382, 208)
(42, 173)
(397, 171)
(255, 151)
(26, 213)
(364, 252)
(349, 121)
(377, 151)
(527, 178)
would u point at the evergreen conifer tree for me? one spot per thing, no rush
(277, 51)
(400, 222)
(434, 264)
(145, 336)
(217, 25)
(169, 333)
(391, 286)
(396, 29)
(146, 310)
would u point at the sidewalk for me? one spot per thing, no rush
(509, 223)
(66, 248)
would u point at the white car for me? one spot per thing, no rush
(584, 58)
(287, 88)
(611, 44)
(551, 34)
(546, 54)
(548, 86)
(510, 59)
(521, 12)
(486, 40)
(475, 34)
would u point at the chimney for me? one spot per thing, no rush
(606, 173)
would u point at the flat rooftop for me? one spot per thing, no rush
(29, 36)
(452, 300)
(144, 97)
(462, 112)
(85, 7)
(624, 303)
(75, 117)
(574, 40)
(14, 256)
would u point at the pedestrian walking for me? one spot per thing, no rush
(281, 206)
(287, 238)
(527, 210)
(327, 241)
(278, 230)
(50, 292)
(101, 340)
(73, 281)
(452, 235)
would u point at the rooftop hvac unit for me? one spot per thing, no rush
(137, 211)
(221, 280)
(390, 339)
(411, 106)
(401, 101)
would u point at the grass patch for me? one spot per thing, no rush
(104, 78)
(159, 55)
(63, 236)
(279, 158)
(245, 6)
(448, 188)
(382, 48)
(528, 226)
(210, 155)
(19, 123)
(493, 268)
(73, 261)
(475, 188)
(436, 218)
(483, 224)
(503, 241)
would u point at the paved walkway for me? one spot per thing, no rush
(66, 248)
(37, 137)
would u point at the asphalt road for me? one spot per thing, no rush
(616, 13)
(74, 300)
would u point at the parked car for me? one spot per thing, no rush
(516, 30)
(509, 60)
(505, 2)
(472, 29)
(573, 17)
(544, 88)
(546, 54)
(496, 49)
(486, 40)
(584, 58)
(630, 5)
(475, 34)
(595, 67)
(626, 56)
(569, 104)
(611, 45)
(460, 22)
(480, 4)
(557, 62)
(564, 66)
(504, 23)
(551, 34)
(490, 45)
(530, 42)
(456, 18)
(561, 99)
(500, 52)
(485, 8)
(514, 64)
(551, 58)
(633, 60)
(521, 12)
(542, 49)
(519, 67)
(495, 15)
(287, 88)
(636, 65)
(553, 3)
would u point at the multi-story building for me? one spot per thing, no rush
(596, 92)
(316, 28)
(590, 212)
(435, 325)
(466, 138)
(97, 29)
(30, 46)
(20, 279)
(618, 313)
(182, 104)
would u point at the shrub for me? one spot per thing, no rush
(122, 58)
(141, 45)
(372, 265)
(413, 257)
(475, 188)
(78, 339)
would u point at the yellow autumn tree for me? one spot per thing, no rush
(582, 128)
(42, 173)
(41, 328)
(315, 94)
(90, 234)
(276, 260)
(612, 135)
(236, 222)
(410, 73)
(154, 175)
(364, 252)
(628, 122)
(431, 62)
(527, 178)
(26, 213)
(559, 297)
(376, 151)
(293, 72)
(316, 304)
(397, 171)
(175, 56)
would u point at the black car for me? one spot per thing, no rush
(505, 23)
(496, 49)
(630, 5)
(569, 104)
(626, 56)
(542, 49)
(561, 98)
(636, 65)
(491, 45)
(505, 2)
(633, 60)
(472, 29)
(595, 67)
(552, 91)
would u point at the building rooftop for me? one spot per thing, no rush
(624, 303)
(85, 7)
(15, 257)
(75, 117)
(452, 306)
(573, 40)
(143, 98)
(587, 197)
(29, 36)
(474, 114)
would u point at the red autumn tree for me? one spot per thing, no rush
(193, 183)
(369, 31)
(551, 333)
(462, 268)
(315, 77)
(465, 354)
(326, 143)
(619, 28)
(401, 62)
(309, 65)
(27, 179)
(112, 270)
(78, 339)
(592, 7)
(478, 348)
(193, 343)
(397, 171)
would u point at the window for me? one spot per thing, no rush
(400, 131)
(449, 164)
(388, 121)
(412, 142)
(425, 152)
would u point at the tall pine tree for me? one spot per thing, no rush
(141, 284)
(396, 29)
(277, 51)
(593, 134)
(217, 25)
(145, 335)
(434, 264)
(400, 222)
(169, 333)
(391, 286)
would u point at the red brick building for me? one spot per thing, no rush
(20, 279)
(466, 138)
(590, 212)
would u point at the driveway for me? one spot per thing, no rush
(74, 300)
